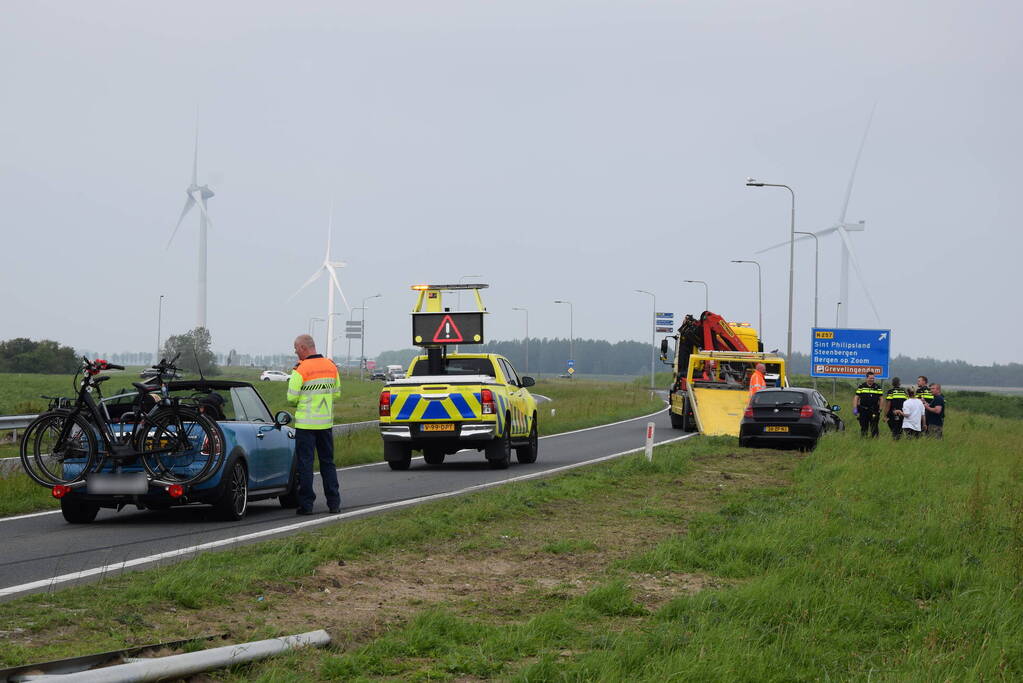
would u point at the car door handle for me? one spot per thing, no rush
(260, 435)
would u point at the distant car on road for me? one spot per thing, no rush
(788, 416)
(274, 376)
(378, 374)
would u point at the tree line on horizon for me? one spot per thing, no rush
(546, 356)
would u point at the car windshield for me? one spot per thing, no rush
(456, 366)
(778, 398)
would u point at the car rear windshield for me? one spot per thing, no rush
(778, 398)
(456, 366)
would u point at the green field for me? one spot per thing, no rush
(868, 559)
(576, 404)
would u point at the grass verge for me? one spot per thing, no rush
(866, 559)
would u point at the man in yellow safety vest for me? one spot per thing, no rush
(313, 384)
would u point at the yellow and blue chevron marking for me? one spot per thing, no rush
(454, 406)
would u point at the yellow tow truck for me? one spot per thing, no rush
(448, 402)
(712, 365)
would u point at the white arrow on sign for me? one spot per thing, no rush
(884, 335)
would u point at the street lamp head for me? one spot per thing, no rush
(558, 301)
(753, 182)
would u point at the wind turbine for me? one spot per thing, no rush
(196, 196)
(332, 283)
(843, 229)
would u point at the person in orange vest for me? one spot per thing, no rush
(311, 388)
(756, 380)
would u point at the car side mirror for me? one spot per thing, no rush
(836, 408)
(283, 417)
(526, 381)
(664, 347)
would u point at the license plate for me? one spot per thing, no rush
(776, 429)
(439, 428)
(118, 484)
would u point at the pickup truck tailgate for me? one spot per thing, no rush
(435, 402)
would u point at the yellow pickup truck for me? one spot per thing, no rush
(476, 400)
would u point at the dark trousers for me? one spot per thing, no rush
(322, 441)
(869, 419)
(895, 424)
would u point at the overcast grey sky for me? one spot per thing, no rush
(560, 149)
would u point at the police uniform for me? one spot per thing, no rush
(895, 396)
(312, 387)
(924, 394)
(869, 407)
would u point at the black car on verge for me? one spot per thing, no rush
(788, 416)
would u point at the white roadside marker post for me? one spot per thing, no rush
(650, 441)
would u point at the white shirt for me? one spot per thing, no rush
(912, 412)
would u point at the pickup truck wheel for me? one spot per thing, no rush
(78, 511)
(527, 454)
(398, 455)
(433, 456)
(499, 450)
(234, 500)
(676, 420)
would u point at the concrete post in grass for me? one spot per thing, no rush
(650, 441)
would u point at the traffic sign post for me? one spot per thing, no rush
(571, 366)
(664, 322)
(852, 353)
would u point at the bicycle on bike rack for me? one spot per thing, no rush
(173, 441)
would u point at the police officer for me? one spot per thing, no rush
(893, 400)
(867, 405)
(312, 387)
(923, 392)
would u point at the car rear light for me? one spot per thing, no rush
(59, 491)
(385, 404)
(749, 411)
(487, 401)
(806, 411)
(176, 490)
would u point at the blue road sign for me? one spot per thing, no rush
(571, 363)
(837, 352)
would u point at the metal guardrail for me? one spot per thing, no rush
(16, 421)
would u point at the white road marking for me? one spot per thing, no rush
(325, 519)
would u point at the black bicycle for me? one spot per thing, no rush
(174, 441)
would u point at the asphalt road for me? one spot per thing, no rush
(42, 552)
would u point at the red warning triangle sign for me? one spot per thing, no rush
(447, 332)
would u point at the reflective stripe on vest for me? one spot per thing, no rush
(313, 385)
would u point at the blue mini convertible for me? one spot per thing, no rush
(259, 461)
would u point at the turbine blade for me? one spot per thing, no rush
(330, 230)
(859, 273)
(195, 156)
(311, 280)
(201, 203)
(852, 176)
(189, 203)
(800, 238)
(333, 276)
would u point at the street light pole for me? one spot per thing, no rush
(362, 352)
(312, 324)
(526, 311)
(571, 332)
(760, 297)
(816, 263)
(750, 182)
(706, 292)
(653, 334)
(159, 319)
